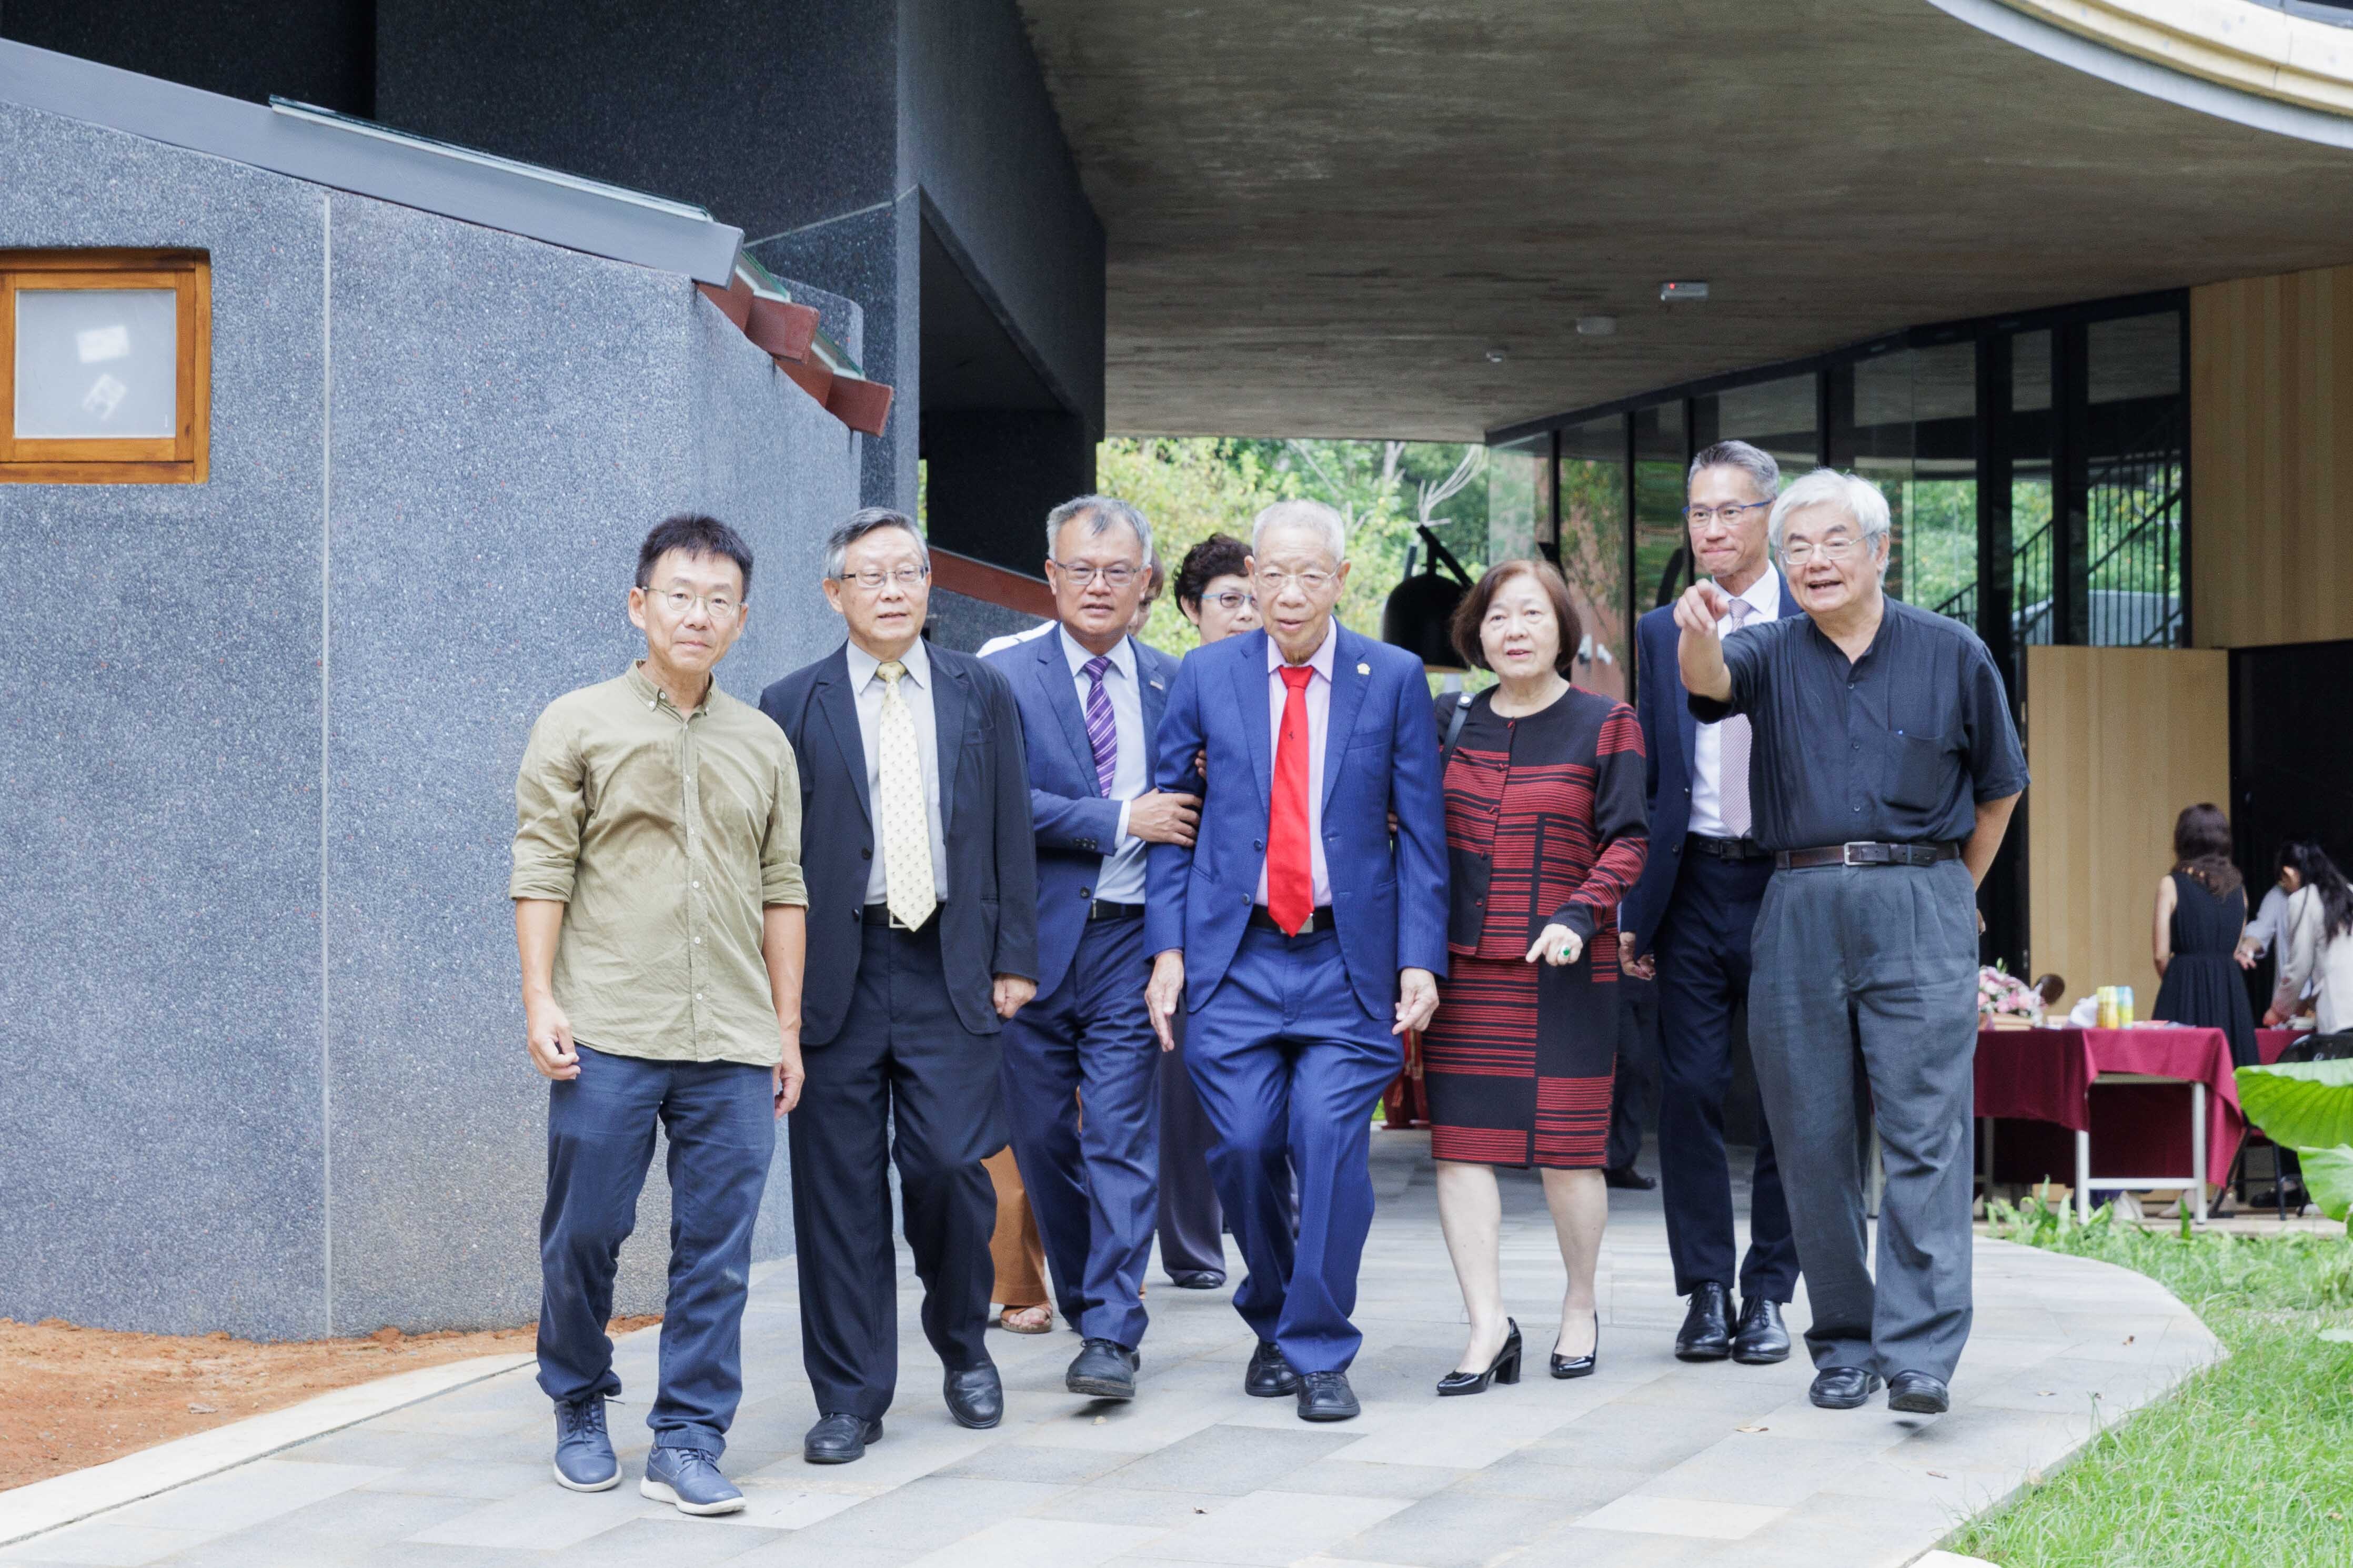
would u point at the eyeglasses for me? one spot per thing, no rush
(872, 580)
(1310, 582)
(1836, 547)
(1231, 600)
(1118, 575)
(1704, 515)
(678, 601)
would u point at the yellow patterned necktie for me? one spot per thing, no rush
(906, 822)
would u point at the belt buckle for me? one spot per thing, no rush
(1847, 849)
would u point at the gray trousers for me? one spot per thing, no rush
(1862, 1002)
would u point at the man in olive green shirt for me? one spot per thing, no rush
(659, 917)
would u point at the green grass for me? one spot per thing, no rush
(2249, 1463)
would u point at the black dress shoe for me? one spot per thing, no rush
(1762, 1338)
(1918, 1394)
(1269, 1376)
(1326, 1396)
(838, 1439)
(1505, 1368)
(976, 1398)
(1626, 1178)
(1706, 1333)
(1842, 1387)
(1197, 1279)
(1579, 1365)
(1105, 1370)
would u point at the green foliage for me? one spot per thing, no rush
(2250, 1464)
(2308, 1106)
(1192, 487)
(2328, 1177)
(2305, 1105)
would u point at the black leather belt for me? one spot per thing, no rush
(1863, 852)
(1318, 918)
(1725, 848)
(879, 915)
(1104, 910)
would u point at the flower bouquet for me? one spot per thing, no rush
(2006, 1002)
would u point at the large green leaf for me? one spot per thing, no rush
(2305, 1105)
(2328, 1177)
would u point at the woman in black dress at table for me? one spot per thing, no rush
(2202, 908)
(1544, 837)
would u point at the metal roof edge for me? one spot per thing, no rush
(386, 164)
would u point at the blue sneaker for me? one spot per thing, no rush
(584, 1451)
(689, 1478)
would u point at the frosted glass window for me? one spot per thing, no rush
(96, 362)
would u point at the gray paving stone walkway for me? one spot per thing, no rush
(1649, 1462)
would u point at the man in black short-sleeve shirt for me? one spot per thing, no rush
(1884, 772)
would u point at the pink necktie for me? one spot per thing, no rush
(1732, 756)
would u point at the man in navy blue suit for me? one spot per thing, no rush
(1688, 921)
(1090, 697)
(1300, 940)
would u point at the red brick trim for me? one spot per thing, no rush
(991, 585)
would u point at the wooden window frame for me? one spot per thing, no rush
(180, 458)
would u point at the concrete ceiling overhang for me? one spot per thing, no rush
(1321, 217)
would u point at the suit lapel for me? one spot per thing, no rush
(1251, 705)
(1152, 688)
(1063, 695)
(950, 698)
(840, 706)
(1348, 697)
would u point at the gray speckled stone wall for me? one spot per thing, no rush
(257, 1000)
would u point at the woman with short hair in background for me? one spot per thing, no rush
(1213, 590)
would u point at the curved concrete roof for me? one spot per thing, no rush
(1321, 216)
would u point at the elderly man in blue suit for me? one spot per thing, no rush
(1090, 697)
(1300, 939)
(1687, 923)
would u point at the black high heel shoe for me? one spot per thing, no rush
(1579, 1367)
(1505, 1368)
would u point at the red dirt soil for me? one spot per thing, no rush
(70, 1397)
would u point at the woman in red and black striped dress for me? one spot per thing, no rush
(1544, 834)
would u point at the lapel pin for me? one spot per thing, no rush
(1364, 669)
(1156, 686)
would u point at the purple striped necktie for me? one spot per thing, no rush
(1103, 731)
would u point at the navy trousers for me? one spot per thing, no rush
(1289, 1066)
(1703, 951)
(1093, 1180)
(903, 1081)
(1192, 1225)
(1636, 1085)
(720, 1118)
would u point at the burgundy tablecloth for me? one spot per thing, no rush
(2136, 1130)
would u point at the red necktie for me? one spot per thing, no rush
(1290, 871)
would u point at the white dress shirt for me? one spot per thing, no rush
(1122, 880)
(1319, 721)
(915, 691)
(1707, 748)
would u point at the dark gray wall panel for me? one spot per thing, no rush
(160, 1142)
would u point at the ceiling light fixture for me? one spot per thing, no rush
(1597, 326)
(1670, 293)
